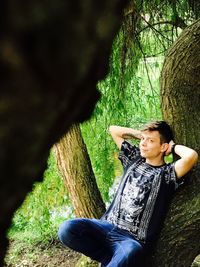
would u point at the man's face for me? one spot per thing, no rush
(151, 146)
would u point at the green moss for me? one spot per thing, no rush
(86, 262)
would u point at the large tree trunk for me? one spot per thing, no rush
(52, 55)
(179, 242)
(75, 166)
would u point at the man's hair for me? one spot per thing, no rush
(166, 134)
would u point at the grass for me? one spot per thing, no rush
(35, 223)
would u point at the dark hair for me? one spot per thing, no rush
(166, 134)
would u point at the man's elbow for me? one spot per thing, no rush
(112, 129)
(193, 158)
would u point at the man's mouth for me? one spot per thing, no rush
(143, 150)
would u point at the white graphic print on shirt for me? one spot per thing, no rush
(132, 202)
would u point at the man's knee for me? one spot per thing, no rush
(66, 231)
(133, 253)
(133, 248)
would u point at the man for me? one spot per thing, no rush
(133, 220)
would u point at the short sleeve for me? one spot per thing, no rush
(171, 177)
(128, 154)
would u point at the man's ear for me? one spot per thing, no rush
(164, 147)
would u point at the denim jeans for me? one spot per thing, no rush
(102, 241)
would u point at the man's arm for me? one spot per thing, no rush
(119, 133)
(188, 158)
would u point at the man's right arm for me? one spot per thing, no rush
(119, 133)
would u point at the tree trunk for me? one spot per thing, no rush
(179, 242)
(75, 166)
(52, 55)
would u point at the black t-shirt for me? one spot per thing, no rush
(143, 195)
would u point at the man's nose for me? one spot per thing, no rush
(143, 142)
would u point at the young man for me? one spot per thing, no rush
(133, 220)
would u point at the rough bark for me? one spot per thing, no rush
(195, 7)
(75, 166)
(52, 53)
(180, 90)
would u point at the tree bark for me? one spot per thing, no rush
(179, 241)
(75, 166)
(52, 55)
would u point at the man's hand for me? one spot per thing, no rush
(169, 150)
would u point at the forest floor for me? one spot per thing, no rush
(51, 255)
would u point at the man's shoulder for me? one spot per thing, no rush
(170, 173)
(168, 167)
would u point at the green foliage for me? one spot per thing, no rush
(132, 104)
(42, 211)
(169, 158)
(86, 262)
(130, 93)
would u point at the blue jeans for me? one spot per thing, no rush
(101, 241)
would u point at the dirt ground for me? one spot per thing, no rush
(52, 255)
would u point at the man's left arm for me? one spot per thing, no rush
(188, 158)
